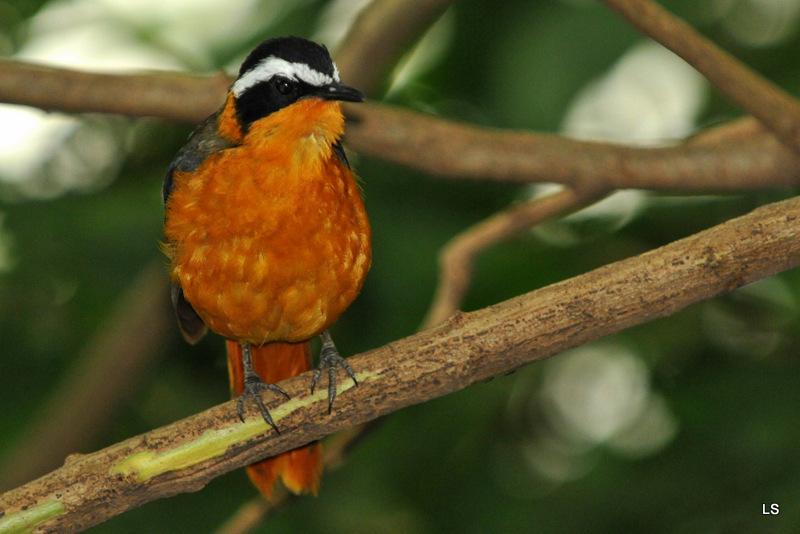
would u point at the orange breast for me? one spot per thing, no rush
(270, 240)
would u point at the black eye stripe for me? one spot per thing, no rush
(266, 97)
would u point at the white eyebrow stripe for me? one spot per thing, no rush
(269, 67)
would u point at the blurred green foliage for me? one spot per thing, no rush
(496, 457)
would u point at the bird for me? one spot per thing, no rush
(266, 233)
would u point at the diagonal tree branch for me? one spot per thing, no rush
(468, 348)
(765, 101)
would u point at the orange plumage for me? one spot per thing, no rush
(266, 231)
(270, 240)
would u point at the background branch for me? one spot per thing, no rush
(381, 34)
(468, 348)
(447, 149)
(459, 254)
(143, 94)
(775, 108)
(441, 147)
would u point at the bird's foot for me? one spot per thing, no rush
(253, 387)
(330, 359)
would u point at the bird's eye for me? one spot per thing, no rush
(284, 86)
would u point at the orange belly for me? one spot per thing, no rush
(267, 246)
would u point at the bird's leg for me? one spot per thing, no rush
(253, 386)
(329, 359)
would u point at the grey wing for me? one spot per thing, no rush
(203, 142)
(192, 326)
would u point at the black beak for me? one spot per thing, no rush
(338, 91)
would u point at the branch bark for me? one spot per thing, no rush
(144, 94)
(468, 348)
(743, 154)
(731, 162)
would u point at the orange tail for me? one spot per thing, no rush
(300, 469)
